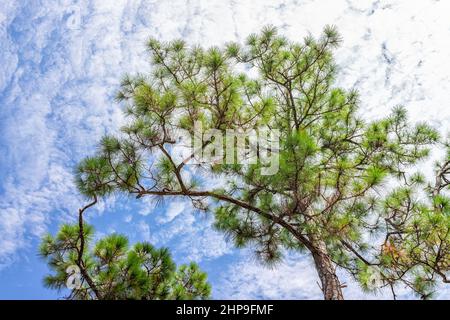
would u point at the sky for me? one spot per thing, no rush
(60, 66)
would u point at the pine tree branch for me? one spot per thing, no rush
(80, 262)
(356, 253)
(240, 203)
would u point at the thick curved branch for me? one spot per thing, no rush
(80, 263)
(239, 203)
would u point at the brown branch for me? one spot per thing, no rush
(240, 203)
(80, 262)
(356, 253)
(175, 167)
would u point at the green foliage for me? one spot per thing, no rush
(332, 193)
(117, 270)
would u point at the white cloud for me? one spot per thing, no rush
(144, 230)
(203, 243)
(294, 278)
(173, 210)
(190, 234)
(147, 206)
(10, 232)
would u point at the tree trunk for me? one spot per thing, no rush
(331, 287)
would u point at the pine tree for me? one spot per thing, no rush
(330, 196)
(112, 270)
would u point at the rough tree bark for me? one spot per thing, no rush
(331, 286)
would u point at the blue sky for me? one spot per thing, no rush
(60, 65)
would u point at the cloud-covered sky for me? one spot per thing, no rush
(60, 65)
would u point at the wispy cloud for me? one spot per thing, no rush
(294, 278)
